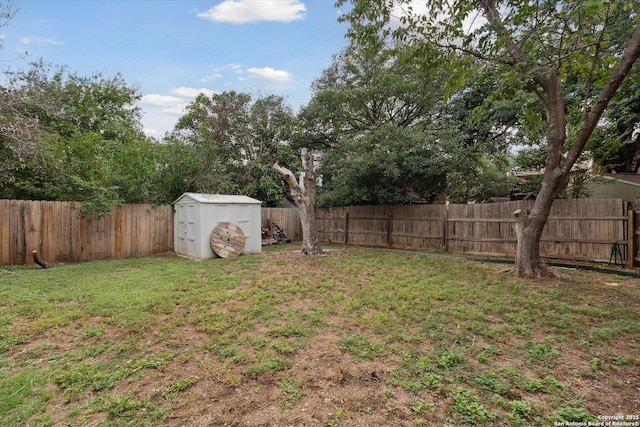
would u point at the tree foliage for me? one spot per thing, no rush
(387, 137)
(617, 146)
(227, 143)
(69, 137)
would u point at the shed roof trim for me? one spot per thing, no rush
(221, 199)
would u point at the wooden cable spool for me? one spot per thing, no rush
(227, 240)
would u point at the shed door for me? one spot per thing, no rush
(186, 231)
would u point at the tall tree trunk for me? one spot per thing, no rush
(529, 225)
(304, 196)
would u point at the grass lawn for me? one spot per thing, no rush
(358, 337)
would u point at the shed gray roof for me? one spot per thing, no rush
(221, 199)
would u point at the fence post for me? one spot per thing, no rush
(389, 225)
(346, 227)
(631, 229)
(445, 219)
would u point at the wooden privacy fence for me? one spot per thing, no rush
(61, 234)
(286, 218)
(583, 229)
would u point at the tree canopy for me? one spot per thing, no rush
(74, 138)
(387, 136)
(227, 143)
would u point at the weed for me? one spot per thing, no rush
(521, 413)
(596, 364)
(22, 395)
(122, 408)
(220, 345)
(93, 331)
(77, 378)
(540, 353)
(420, 407)
(360, 346)
(418, 373)
(289, 346)
(155, 361)
(572, 412)
(532, 385)
(487, 352)
(273, 364)
(622, 361)
(491, 382)
(552, 384)
(291, 390)
(343, 413)
(292, 329)
(177, 386)
(99, 332)
(450, 358)
(467, 405)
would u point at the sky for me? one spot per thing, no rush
(172, 50)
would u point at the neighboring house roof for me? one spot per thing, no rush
(221, 199)
(625, 186)
(629, 178)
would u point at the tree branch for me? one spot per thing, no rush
(631, 53)
(287, 176)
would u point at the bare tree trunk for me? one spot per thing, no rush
(304, 196)
(529, 225)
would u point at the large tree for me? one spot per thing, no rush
(536, 45)
(363, 110)
(227, 143)
(68, 137)
(386, 137)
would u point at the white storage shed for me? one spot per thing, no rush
(196, 215)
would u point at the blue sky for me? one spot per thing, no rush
(174, 49)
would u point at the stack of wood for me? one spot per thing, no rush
(273, 235)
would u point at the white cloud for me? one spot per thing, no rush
(244, 11)
(39, 40)
(191, 92)
(268, 73)
(160, 100)
(177, 110)
(234, 67)
(211, 77)
(218, 72)
(152, 132)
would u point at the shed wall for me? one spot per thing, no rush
(194, 221)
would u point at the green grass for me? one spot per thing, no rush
(136, 342)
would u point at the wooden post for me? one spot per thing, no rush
(631, 230)
(445, 240)
(389, 226)
(346, 227)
